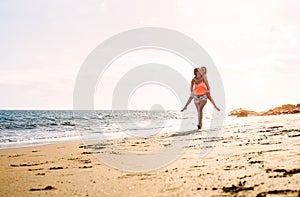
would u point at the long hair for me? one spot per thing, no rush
(200, 71)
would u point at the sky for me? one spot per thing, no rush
(255, 46)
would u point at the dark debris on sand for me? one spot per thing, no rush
(49, 187)
(25, 164)
(56, 168)
(284, 192)
(238, 188)
(85, 166)
(283, 172)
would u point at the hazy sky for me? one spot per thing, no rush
(254, 44)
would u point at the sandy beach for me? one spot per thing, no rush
(260, 161)
(169, 98)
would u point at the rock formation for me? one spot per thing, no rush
(284, 109)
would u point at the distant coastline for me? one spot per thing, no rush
(284, 109)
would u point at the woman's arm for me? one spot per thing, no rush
(192, 84)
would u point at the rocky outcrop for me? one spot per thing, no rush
(242, 113)
(284, 109)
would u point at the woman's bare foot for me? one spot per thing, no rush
(217, 108)
(183, 109)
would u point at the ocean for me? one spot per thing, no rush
(21, 128)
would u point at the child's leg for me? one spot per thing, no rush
(212, 101)
(187, 103)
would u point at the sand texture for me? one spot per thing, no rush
(264, 161)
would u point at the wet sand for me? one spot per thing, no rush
(264, 161)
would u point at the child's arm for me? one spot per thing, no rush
(207, 84)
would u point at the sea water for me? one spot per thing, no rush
(19, 128)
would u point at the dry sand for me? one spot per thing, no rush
(240, 164)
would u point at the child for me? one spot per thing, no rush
(202, 70)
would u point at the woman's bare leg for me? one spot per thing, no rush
(200, 112)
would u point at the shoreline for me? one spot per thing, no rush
(114, 135)
(30, 144)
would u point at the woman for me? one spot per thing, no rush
(204, 71)
(200, 87)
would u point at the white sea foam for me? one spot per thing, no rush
(27, 128)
